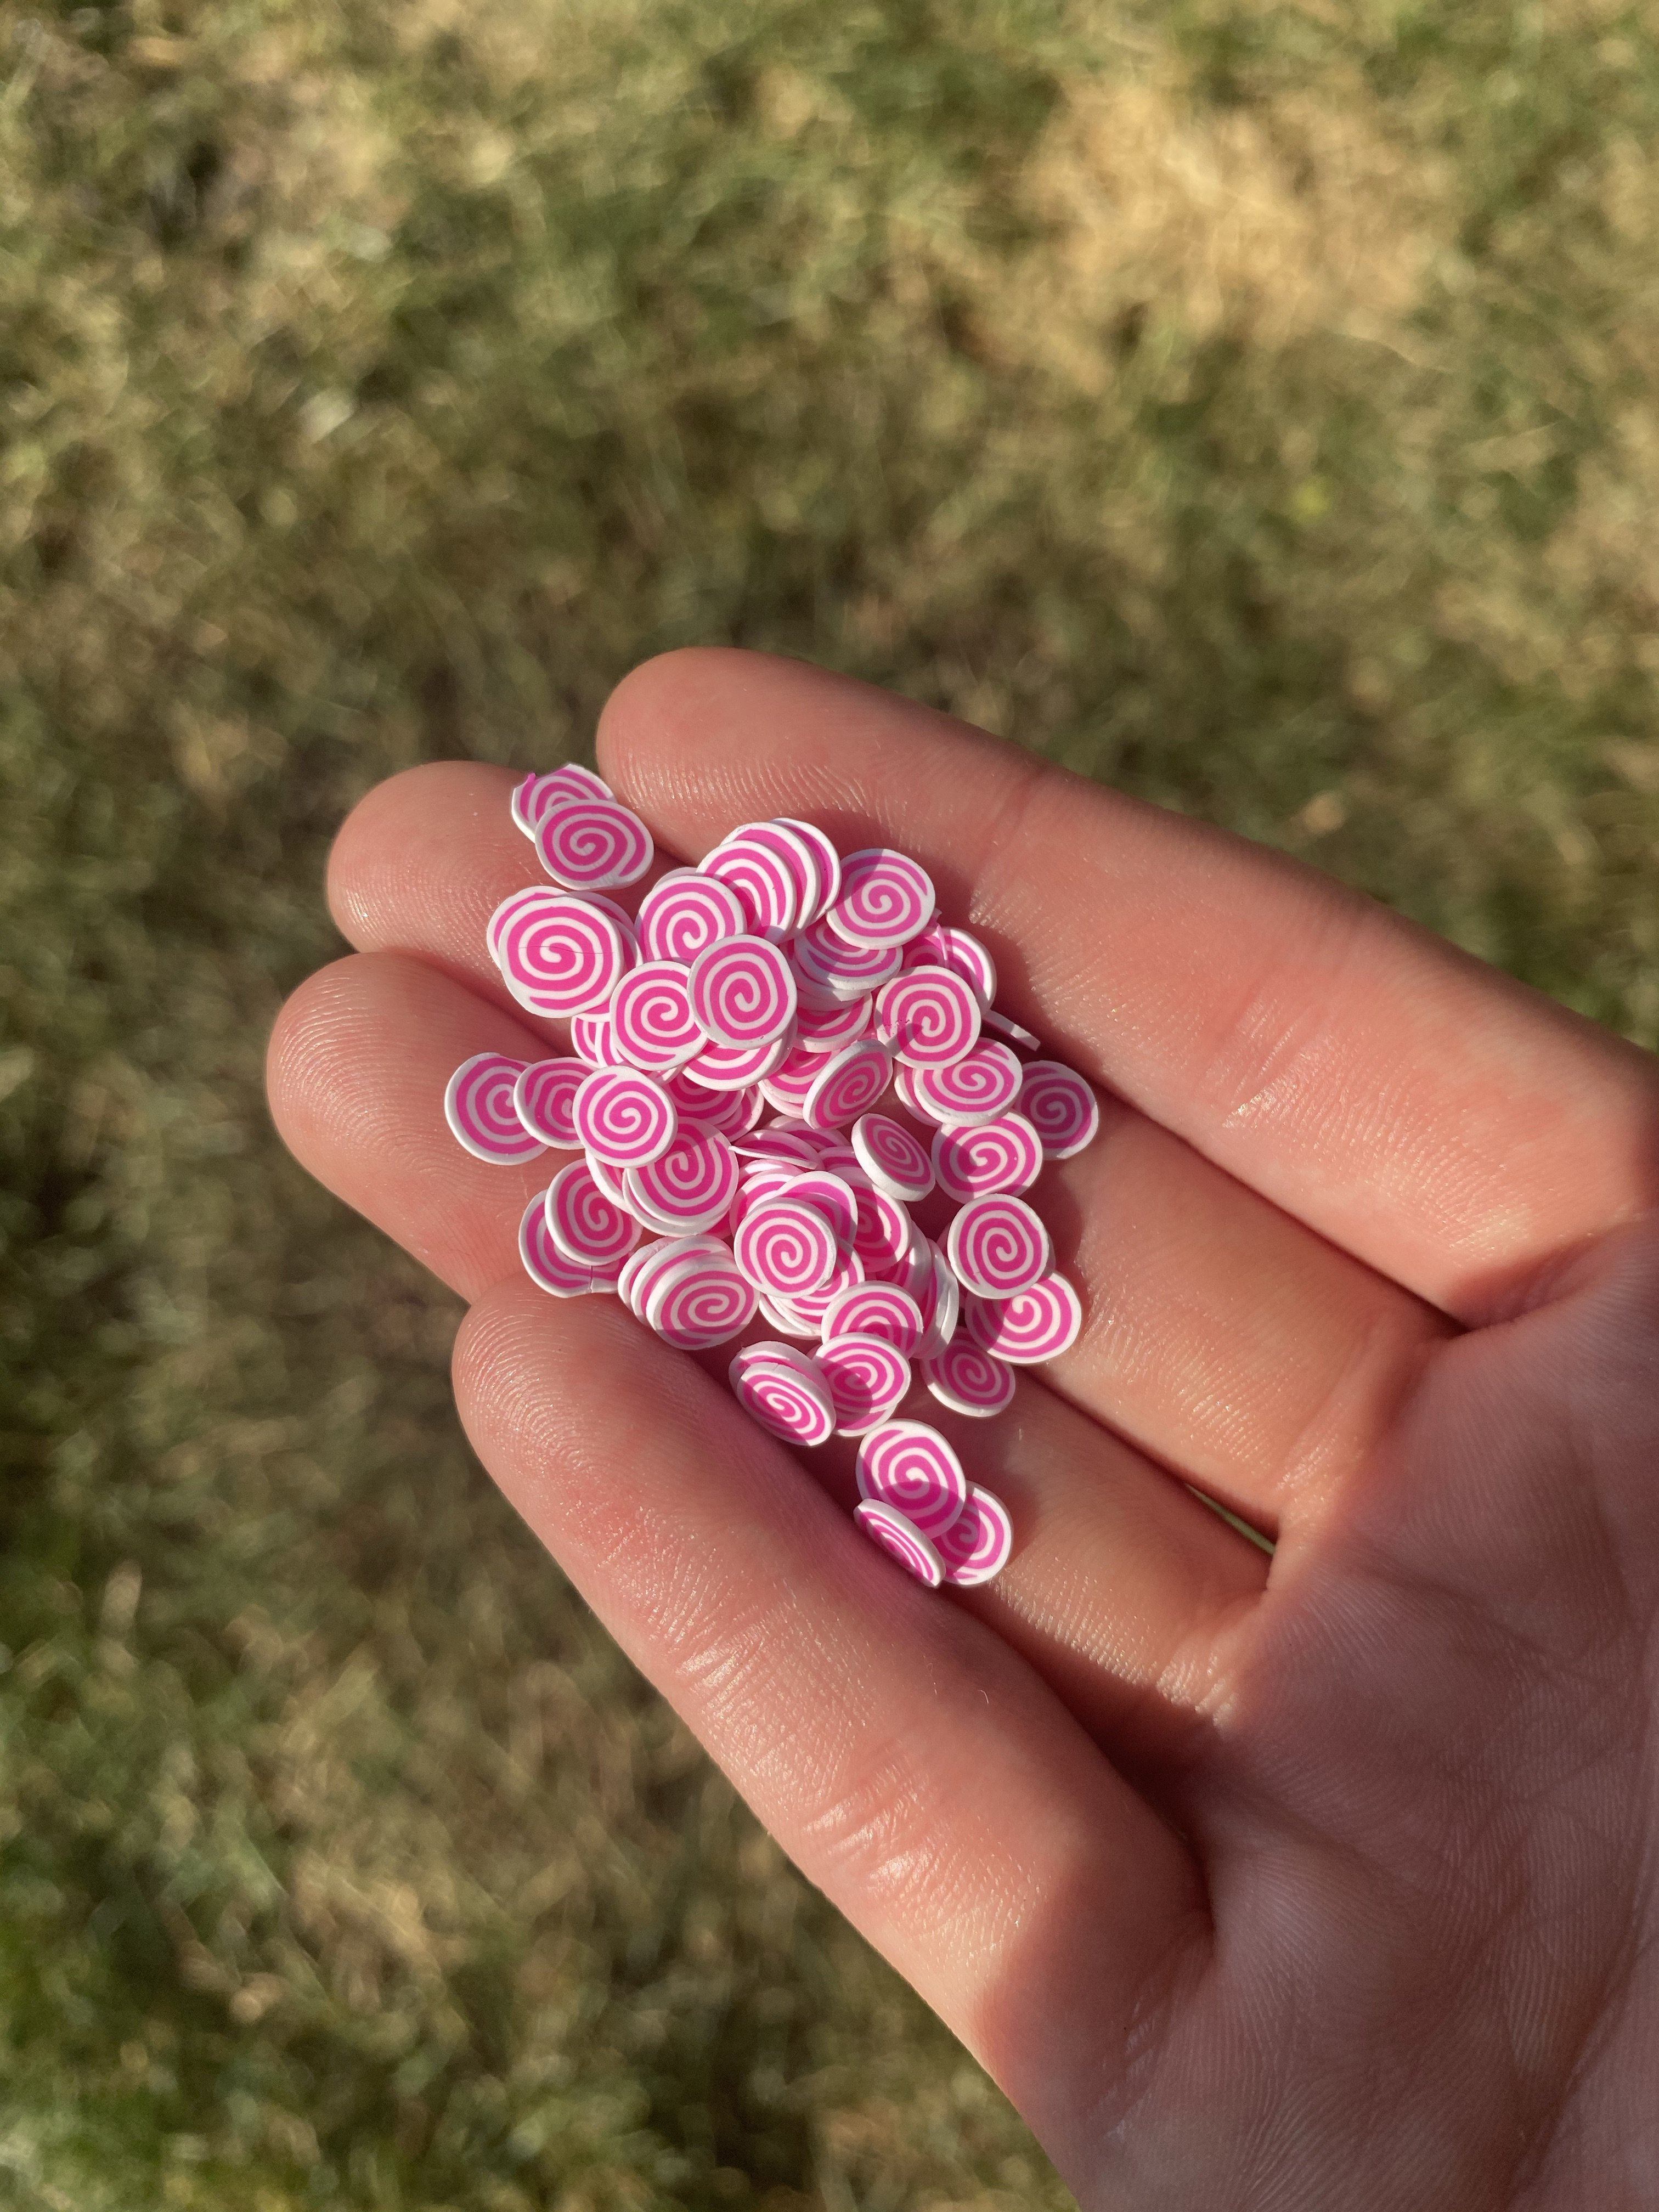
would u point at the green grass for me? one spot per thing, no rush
(1251, 404)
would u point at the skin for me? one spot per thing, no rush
(1282, 1883)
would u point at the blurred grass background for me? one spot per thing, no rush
(1253, 404)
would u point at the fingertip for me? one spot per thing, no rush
(399, 838)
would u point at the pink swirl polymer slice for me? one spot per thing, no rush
(800, 857)
(901, 1540)
(892, 1157)
(536, 798)
(876, 1310)
(828, 1029)
(941, 1305)
(691, 1185)
(542, 1099)
(849, 1085)
(625, 1116)
(784, 1248)
(585, 1226)
(1012, 1030)
(1060, 1107)
(531, 895)
(735, 1067)
(560, 956)
(640, 1269)
(977, 1088)
(765, 880)
(978, 1543)
(927, 1018)
(783, 1390)
(997, 1246)
(544, 1262)
(743, 992)
(651, 1024)
(969, 1381)
(699, 1301)
(908, 1465)
(886, 898)
(1034, 1325)
(842, 970)
(867, 1378)
(685, 912)
(941, 946)
(592, 844)
(828, 861)
(479, 1110)
(979, 1159)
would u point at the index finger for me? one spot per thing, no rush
(1431, 1115)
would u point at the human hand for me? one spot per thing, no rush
(1324, 1880)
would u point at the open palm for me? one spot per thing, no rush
(1326, 1879)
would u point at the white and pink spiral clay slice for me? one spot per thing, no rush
(558, 954)
(886, 898)
(537, 797)
(901, 1540)
(479, 1110)
(625, 1116)
(784, 1248)
(979, 1087)
(969, 1381)
(892, 1157)
(849, 1085)
(544, 1262)
(543, 1097)
(767, 882)
(784, 1391)
(978, 1543)
(1015, 1033)
(683, 912)
(927, 1018)
(586, 1227)
(941, 946)
(941, 1305)
(997, 1246)
(868, 1378)
(651, 1025)
(691, 1186)
(982, 1160)
(593, 844)
(1034, 1325)
(699, 1301)
(743, 992)
(910, 1466)
(779, 976)
(876, 1310)
(1059, 1106)
(839, 970)
(735, 1067)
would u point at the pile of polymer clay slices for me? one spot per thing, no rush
(733, 1041)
